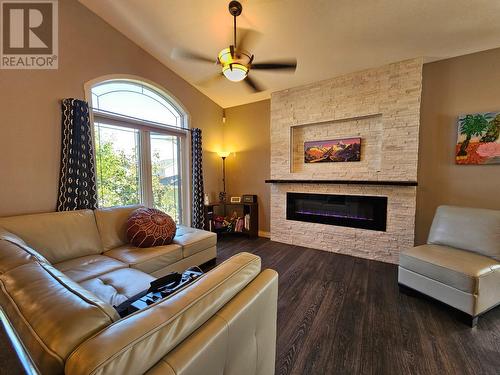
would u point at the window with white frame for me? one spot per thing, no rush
(140, 141)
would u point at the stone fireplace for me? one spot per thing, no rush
(382, 107)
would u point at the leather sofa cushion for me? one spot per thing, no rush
(14, 252)
(58, 236)
(194, 240)
(147, 259)
(472, 229)
(112, 225)
(133, 344)
(88, 267)
(117, 286)
(454, 267)
(50, 313)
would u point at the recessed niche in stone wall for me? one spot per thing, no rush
(369, 129)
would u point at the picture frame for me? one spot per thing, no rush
(333, 150)
(235, 199)
(478, 139)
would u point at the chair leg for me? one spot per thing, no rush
(472, 321)
(407, 290)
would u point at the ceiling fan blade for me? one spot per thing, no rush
(179, 53)
(210, 80)
(252, 84)
(247, 38)
(284, 65)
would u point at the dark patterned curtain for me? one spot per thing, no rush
(198, 217)
(77, 183)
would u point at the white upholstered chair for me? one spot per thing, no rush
(460, 264)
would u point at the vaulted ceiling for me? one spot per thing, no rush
(328, 37)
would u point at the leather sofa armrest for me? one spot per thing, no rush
(134, 344)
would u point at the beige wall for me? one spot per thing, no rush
(246, 135)
(30, 107)
(461, 85)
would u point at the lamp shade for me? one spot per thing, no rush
(235, 63)
(223, 154)
(235, 72)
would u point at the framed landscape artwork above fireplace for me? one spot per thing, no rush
(335, 150)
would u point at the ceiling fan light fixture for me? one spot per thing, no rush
(235, 61)
(225, 57)
(235, 72)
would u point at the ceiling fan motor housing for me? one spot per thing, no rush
(235, 8)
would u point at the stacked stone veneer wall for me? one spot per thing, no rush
(382, 106)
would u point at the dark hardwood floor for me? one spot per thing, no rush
(343, 315)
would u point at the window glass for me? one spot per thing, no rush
(117, 165)
(165, 173)
(138, 163)
(135, 100)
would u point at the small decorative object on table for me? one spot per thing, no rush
(249, 198)
(222, 196)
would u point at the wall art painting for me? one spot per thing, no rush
(335, 150)
(478, 139)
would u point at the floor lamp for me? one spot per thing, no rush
(222, 194)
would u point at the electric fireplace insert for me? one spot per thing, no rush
(356, 211)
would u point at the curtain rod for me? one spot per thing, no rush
(119, 115)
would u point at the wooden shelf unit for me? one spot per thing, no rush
(226, 209)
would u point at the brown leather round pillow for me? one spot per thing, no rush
(148, 227)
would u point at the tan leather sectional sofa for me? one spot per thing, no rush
(61, 274)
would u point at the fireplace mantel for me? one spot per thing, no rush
(344, 182)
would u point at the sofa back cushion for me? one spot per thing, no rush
(135, 343)
(472, 229)
(50, 313)
(11, 254)
(58, 236)
(112, 225)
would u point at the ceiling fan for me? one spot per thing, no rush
(235, 61)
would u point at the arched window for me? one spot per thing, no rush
(140, 137)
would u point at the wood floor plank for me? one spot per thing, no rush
(319, 343)
(349, 337)
(343, 315)
(295, 331)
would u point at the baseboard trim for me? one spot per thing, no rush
(264, 234)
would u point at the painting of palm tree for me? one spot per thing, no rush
(478, 138)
